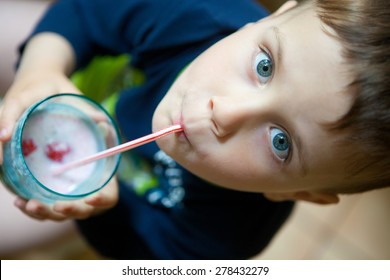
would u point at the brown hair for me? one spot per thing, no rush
(363, 28)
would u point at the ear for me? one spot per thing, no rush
(285, 7)
(314, 197)
(282, 9)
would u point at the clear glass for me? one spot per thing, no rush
(57, 130)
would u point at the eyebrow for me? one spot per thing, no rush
(279, 42)
(280, 45)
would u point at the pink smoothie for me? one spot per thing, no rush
(51, 139)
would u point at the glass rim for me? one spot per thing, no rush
(31, 109)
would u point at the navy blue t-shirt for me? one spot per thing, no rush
(164, 211)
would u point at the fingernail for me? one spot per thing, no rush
(3, 133)
(18, 203)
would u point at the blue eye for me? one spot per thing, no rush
(280, 143)
(263, 67)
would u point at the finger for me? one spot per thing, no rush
(3, 135)
(38, 210)
(92, 205)
(1, 153)
(22, 205)
(74, 209)
(14, 105)
(9, 114)
(106, 197)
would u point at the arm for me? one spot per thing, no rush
(57, 47)
(46, 62)
(43, 71)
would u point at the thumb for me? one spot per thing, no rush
(8, 117)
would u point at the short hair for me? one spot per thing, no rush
(363, 29)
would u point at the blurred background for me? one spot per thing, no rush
(357, 228)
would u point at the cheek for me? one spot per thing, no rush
(216, 61)
(261, 152)
(243, 160)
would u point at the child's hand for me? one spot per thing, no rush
(26, 91)
(43, 70)
(94, 204)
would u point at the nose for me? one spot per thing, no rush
(229, 113)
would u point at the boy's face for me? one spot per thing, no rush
(254, 104)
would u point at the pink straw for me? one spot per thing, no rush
(119, 149)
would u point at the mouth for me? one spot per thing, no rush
(182, 135)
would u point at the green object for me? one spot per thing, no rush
(137, 172)
(105, 76)
(102, 80)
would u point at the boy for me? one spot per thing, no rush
(267, 110)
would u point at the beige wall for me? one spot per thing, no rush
(17, 18)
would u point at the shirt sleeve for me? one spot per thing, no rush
(143, 26)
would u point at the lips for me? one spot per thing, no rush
(182, 135)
